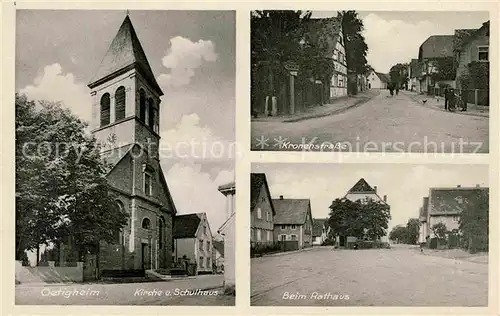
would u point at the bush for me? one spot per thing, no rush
(259, 249)
(369, 244)
(329, 242)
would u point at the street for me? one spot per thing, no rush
(383, 124)
(203, 290)
(399, 276)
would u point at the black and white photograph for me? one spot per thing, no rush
(370, 81)
(124, 166)
(358, 235)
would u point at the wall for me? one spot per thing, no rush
(50, 274)
(264, 203)
(375, 82)
(470, 53)
(287, 231)
(229, 256)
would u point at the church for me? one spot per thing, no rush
(125, 117)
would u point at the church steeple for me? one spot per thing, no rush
(126, 95)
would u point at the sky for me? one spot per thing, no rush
(395, 37)
(192, 55)
(404, 184)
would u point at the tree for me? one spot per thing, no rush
(445, 69)
(412, 229)
(359, 219)
(473, 222)
(399, 234)
(355, 47)
(399, 75)
(440, 231)
(61, 186)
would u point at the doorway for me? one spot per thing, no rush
(146, 256)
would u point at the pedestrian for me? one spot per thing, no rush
(452, 99)
(391, 89)
(397, 89)
(422, 247)
(446, 99)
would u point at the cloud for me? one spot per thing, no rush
(183, 58)
(189, 140)
(393, 41)
(195, 191)
(53, 85)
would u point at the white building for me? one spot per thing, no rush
(377, 80)
(228, 231)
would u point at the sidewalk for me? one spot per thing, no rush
(283, 253)
(458, 254)
(437, 103)
(339, 105)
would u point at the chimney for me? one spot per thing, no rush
(375, 188)
(281, 197)
(385, 198)
(477, 186)
(458, 186)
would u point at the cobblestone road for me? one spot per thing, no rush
(381, 277)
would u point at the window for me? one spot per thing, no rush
(482, 53)
(200, 263)
(294, 227)
(151, 117)
(200, 244)
(208, 246)
(142, 106)
(341, 81)
(207, 264)
(205, 230)
(268, 218)
(105, 109)
(283, 227)
(293, 237)
(120, 103)
(269, 238)
(259, 212)
(258, 235)
(147, 183)
(282, 237)
(156, 126)
(146, 223)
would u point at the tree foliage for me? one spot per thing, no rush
(399, 234)
(359, 219)
(445, 68)
(473, 222)
(412, 227)
(61, 186)
(439, 230)
(398, 75)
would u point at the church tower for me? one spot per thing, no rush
(125, 120)
(126, 95)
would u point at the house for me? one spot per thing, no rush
(423, 227)
(320, 227)
(377, 80)
(446, 204)
(218, 257)
(361, 192)
(227, 230)
(125, 119)
(262, 211)
(293, 221)
(193, 241)
(471, 49)
(433, 49)
(413, 73)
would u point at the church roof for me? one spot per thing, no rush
(125, 51)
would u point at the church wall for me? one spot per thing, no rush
(124, 133)
(121, 176)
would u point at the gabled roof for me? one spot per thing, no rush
(291, 211)
(185, 226)
(437, 46)
(125, 50)
(219, 246)
(113, 156)
(361, 187)
(383, 77)
(257, 180)
(464, 36)
(452, 201)
(318, 224)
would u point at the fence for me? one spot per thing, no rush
(473, 96)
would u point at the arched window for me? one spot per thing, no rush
(156, 126)
(151, 118)
(142, 106)
(105, 109)
(146, 223)
(161, 227)
(120, 103)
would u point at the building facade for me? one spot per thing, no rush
(193, 241)
(227, 230)
(293, 221)
(430, 51)
(319, 231)
(262, 211)
(377, 80)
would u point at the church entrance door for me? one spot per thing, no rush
(146, 256)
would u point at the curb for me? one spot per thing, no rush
(286, 252)
(337, 111)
